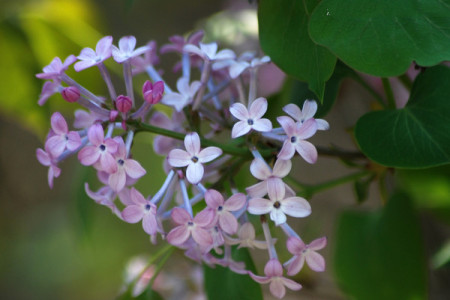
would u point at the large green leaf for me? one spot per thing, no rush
(383, 37)
(283, 33)
(416, 136)
(380, 255)
(223, 284)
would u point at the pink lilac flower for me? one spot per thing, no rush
(209, 52)
(246, 238)
(303, 252)
(141, 209)
(153, 92)
(178, 42)
(184, 97)
(100, 151)
(88, 57)
(56, 68)
(48, 89)
(295, 141)
(261, 171)
(150, 58)
(193, 158)
(104, 196)
(84, 119)
(250, 119)
(274, 276)
(125, 167)
(126, 49)
(307, 112)
(70, 94)
(46, 159)
(222, 209)
(238, 67)
(278, 206)
(197, 227)
(61, 138)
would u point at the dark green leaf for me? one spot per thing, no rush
(416, 136)
(283, 33)
(223, 284)
(380, 255)
(383, 37)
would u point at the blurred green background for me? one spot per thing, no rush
(58, 244)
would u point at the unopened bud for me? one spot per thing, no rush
(153, 92)
(113, 115)
(70, 94)
(123, 103)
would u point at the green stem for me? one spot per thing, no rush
(368, 88)
(406, 81)
(160, 265)
(309, 190)
(389, 93)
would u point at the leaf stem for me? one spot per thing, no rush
(368, 88)
(406, 81)
(389, 93)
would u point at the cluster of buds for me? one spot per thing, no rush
(214, 106)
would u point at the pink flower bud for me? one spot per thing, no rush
(113, 115)
(123, 103)
(153, 92)
(70, 94)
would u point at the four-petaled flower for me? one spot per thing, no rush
(278, 206)
(246, 238)
(295, 140)
(193, 158)
(56, 68)
(88, 57)
(209, 52)
(303, 252)
(61, 138)
(274, 276)
(198, 227)
(307, 112)
(185, 95)
(46, 159)
(251, 118)
(141, 209)
(223, 209)
(126, 49)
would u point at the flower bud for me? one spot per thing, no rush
(70, 94)
(153, 92)
(113, 115)
(123, 103)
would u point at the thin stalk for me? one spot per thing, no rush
(368, 88)
(388, 91)
(406, 81)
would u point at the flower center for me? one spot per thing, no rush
(147, 207)
(120, 162)
(220, 208)
(250, 122)
(194, 159)
(277, 204)
(293, 139)
(190, 223)
(102, 147)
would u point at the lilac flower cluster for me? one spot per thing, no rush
(215, 105)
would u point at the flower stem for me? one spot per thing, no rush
(368, 88)
(389, 93)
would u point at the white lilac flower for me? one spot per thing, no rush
(307, 112)
(251, 118)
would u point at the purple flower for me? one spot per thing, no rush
(48, 89)
(197, 227)
(178, 42)
(246, 238)
(48, 160)
(274, 276)
(141, 209)
(193, 158)
(278, 206)
(238, 67)
(250, 119)
(101, 151)
(126, 49)
(61, 138)
(307, 112)
(153, 92)
(104, 196)
(88, 57)
(56, 68)
(295, 141)
(185, 95)
(150, 59)
(304, 252)
(209, 52)
(223, 209)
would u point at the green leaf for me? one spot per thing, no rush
(383, 37)
(283, 34)
(416, 136)
(380, 255)
(223, 284)
(148, 294)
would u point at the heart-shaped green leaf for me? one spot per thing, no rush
(283, 33)
(383, 37)
(380, 255)
(416, 136)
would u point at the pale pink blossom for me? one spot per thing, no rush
(209, 52)
(141, 209)
(261, 171)
(184, 97)
(84, 119)
(295, 141)
(251, 118)
(307, 112)
(193, 158)
(88, 57)
(100, 151)
(278, 206)
(61, 138)
(48, 89)
(126, 49)
(238, 67)
(46, 159)
(197, 227)
(125, 167)
(246, 238)
(223, 209)
(274, 275)
(56, 68)
(303, 252)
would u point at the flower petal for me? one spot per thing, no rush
(259, 279)
(149, 223)
(273, 268)
(208, 154)
(277, 288)
(194, 172)
(96, 134)
(204, 218)
(307, 129)
(235, 202)
(258, 108)
(192, 143)
(309, 109)
(291, 284)
(59, 124)
(295, 245)
(288, 125)
(179, 158)
(213, 199)
(117, 180)
(295, 265)
(318, 244)
(260, 169)
(202, 236)
(180, 216)
(315, 261)
(296, 207)
(239, 111)
(133, 168)
(322, 124)
(132, 213)
(178, 235)
(275, 189)
(294, 111)
(282, 167)
(257, 190)
(262, 125)
(240, 128)
(259, 206)
(287, 151)
(89, 155)
(278, 216)
(228, 222)
(307, 151)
